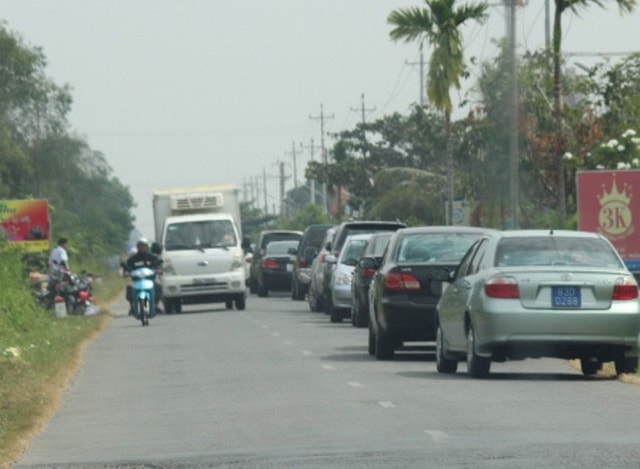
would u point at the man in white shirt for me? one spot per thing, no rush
(58, 259)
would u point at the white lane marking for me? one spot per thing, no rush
(264, 326)
(436, 435)
(328, 367)
(307, 353)
(275, 334)
(386, 404)
(354, 384)
(288, 342)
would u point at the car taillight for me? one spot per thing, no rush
(368, 272)
(502, 287)
(269, 264)
(625, 289)
(397, 281)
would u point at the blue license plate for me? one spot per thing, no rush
(566, 297)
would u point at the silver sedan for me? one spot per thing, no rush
(538, 293)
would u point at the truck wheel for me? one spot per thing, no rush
(241, 302)
(169, 306)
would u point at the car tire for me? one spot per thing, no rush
(296, 292)
(241, 302)
(590, 366)
(263, 292)
(313, 301)
(384, 347)
(253, 286)
(626, 365)
(361, 319)
(477, 366)
(444, 364)
(372, 342)
(335, 314)
(228, 304)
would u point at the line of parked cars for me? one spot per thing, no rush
(481, 295)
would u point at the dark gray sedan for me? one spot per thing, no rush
(539, 293)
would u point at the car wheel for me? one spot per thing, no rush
(228, 304)
(372, 341)
(335, 314)
(241, 302)
(384, 347)
(298, 293)
(590, 366)
(477, 366)
(626, 365)
(444, 364)
(263, 291)
(354, 312)
(312, 300)
(169, 306)
(362, 319)
(253, 286)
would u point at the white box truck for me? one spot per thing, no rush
(199, 233)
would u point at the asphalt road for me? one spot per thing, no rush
(277, 386)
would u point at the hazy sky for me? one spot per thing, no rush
(179, 93)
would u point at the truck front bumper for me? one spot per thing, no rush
(222, 284)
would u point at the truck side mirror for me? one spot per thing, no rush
(156, 248)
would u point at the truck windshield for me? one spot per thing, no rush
(200, 235)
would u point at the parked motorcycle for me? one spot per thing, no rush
(75, 290)
(142, 293)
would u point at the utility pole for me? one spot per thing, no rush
(322, 118)
(264, 186)
(514, 157)
(421, 64)
(312, 182)
(295, 166)
(363, 109)
(282, 178)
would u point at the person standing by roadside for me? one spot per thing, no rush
(59, 259)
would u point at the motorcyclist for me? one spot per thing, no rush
(143, 258)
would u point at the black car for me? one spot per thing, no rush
(276, 267)
(362, 274)
(403, 294)
(265, 238)
(307, 249)
(343, 230)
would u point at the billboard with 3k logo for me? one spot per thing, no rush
(609, 203)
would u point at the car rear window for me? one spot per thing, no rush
(550, 250)
(434, 248)
(280, 237)
(280, 247)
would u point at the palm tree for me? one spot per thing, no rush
(574, 6)
(438, 24)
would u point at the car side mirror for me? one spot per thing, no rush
(330, 259)
(367, 263)
(442, 275)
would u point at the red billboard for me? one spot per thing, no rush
(26, 223)
(609, 203)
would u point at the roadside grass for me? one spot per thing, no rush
(39, 353)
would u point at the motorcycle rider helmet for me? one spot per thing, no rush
(143, 242)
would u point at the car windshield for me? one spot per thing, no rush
(200, 234)
(550, 250)
(353, 251)
(434, 248)
(280, 247)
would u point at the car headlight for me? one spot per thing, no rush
(343, 279)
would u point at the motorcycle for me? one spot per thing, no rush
(73, 289)
(142, 292)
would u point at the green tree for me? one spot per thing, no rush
(561, 7)
(439, 25)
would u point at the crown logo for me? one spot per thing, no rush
(615, 217)
(615, 196)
